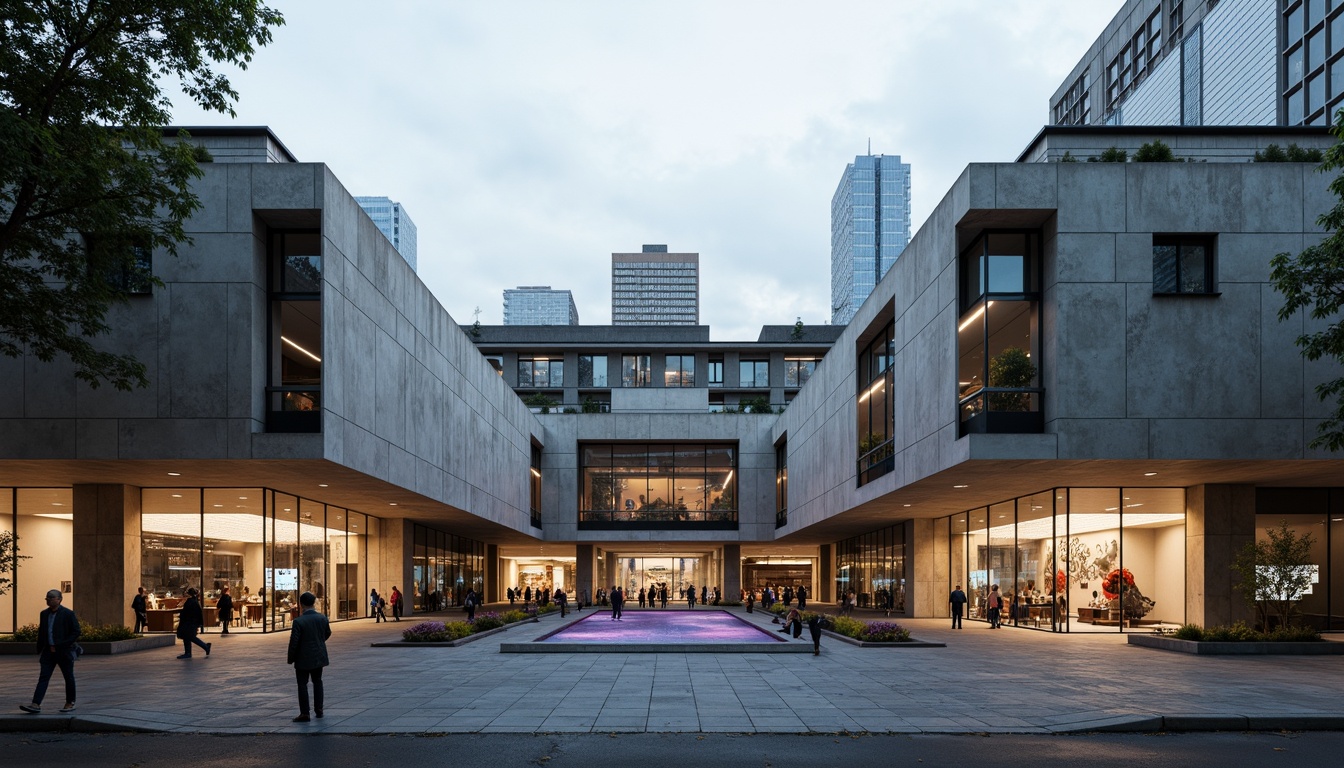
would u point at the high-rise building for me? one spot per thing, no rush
(654, 287)
(539, 305)
(1233, 62)
(870, 226)
(392, 221)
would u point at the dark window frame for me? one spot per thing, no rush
(1179, 241)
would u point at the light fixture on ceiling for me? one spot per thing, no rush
(301, 349)
(392, 504)
(906, 505)
(1150, 474)
(242, 498)
(961, 486)
(177, 495)
(974, 316)
(174, 474)
(321, 485)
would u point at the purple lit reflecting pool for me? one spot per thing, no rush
(709, 627)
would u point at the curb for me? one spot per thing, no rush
(1191, 723)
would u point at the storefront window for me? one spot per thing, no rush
(1076, 559)
(674, 483)
(873, 566)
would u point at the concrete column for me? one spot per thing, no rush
(583, 570)
(493, 593)
(926, 582)
(826, 573)
(396, 546)
(732, 572)
(1219, 521)
(106, 552)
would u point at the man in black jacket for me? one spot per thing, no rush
(308, 653)
(57, 631)
(191, 620)
(139, 606)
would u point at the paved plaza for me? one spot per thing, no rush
(996, 681)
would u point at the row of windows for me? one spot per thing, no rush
(1310, 41)
(1075, 108)
(1136, 58)
(637, 371)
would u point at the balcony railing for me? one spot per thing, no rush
(877, 461)
(294, 408)
(658, 519)
(1002, 410)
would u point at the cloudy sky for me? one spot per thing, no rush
(530, 140)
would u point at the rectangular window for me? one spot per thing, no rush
(541, 372)
(534, 485)
(1183, 264)
(680, 371)
(875, 407)
(592, 370)
(781, 484)
(635, 371)
(797, 370)
(716, 373)
(295, 391)
(754, 373)
(651, 486)
(125, 260)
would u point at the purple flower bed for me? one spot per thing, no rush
(884, 632)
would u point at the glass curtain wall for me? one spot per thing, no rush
(873, 565)
(445, 567)
(295, 394)
(42, 520)
(1319, 513)
(1076, 559)
(662, 482)
(875, 406)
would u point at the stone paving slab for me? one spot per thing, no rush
(1014, 681)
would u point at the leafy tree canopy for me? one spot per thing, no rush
(86, 177)
(1314, 281)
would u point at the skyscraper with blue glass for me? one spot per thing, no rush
(870, 226)
(392, 221)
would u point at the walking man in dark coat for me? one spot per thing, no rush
(57, 631)
(958, 600)
(802, 598)
(190, 621)
(138, 606)
(308, 653)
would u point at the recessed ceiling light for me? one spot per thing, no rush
(907, 505)
(392, 504)
(1150, 474)
(287, 509)
(174, 474)
(57, 504)
(1002, 516)
(321, 485)
(177, 495)
(242, 498)
(961, 486)
(219, 505)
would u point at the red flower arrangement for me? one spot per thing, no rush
(1061, 582)
(1110, 586)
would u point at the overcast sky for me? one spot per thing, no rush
(530, 140)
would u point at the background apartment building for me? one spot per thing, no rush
(654, 287)
(392, 220)
(539, 305)
(870, 227)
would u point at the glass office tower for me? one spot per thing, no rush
(870, 227)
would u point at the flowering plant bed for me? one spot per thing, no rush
(450, 634)
(1240, 640)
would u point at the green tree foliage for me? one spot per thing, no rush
(86, 177)
(9, 559)
(1295, 154)
(1274, 574)
(1012, 368)
(1111, 155)
(1155, 151)
(1314, 281)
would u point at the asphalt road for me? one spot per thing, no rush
(1226, 750)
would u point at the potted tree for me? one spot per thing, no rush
(1008, 412)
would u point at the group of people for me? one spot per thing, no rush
(58, 646)
(541, 595)
(769, 595)
(378, 605)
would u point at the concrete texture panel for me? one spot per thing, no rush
(96, 439)
(1193, 357)
(1134, 258)
(172, 438)
(1244, 258)
(1317, 200)
(1282, 392)
(212, 188)
(239, 180)
(245, 352)
(1087, 438)
(281, 445)
(286, 186)
(215, 257)
(1041, 447)
(1183, 197)
(50, 388)
(1088, 340)
(12, 381)
(135, 336)
(198, 375)
(1094, 196)
(1081, 258)
(34, 438)
(982, 185)
(1025, 185)
(1272, 196)
(1212, 438)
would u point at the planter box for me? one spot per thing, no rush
(911, 643)
(108, 648)
(453, 643)
(1322, 648)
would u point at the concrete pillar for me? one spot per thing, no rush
(926, 585)
(106, 552)
(732, 572)
(583, 570)
(492, 590)
(826, 573)
(396, 548)
(1219, 521)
